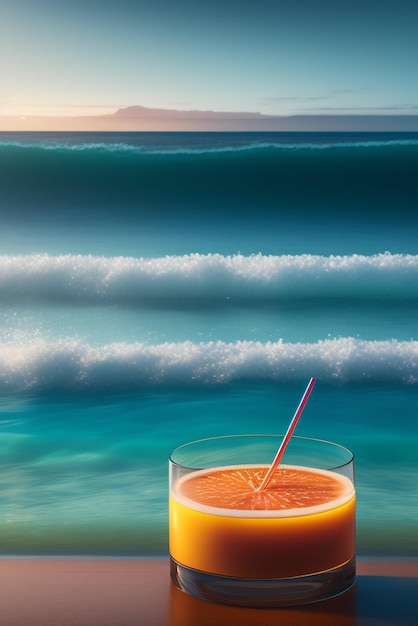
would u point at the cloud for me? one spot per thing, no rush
(330, 96)
(396, 108)
(295, 99)
(336, 96)
(340, 92)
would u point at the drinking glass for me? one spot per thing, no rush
(280, 556)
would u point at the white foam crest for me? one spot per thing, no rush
(61, 146)
(79, 278)
(175, 149)
(39, 365)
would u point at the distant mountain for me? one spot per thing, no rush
(142, 119)
(145, 112)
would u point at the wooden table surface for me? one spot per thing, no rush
(138, 592)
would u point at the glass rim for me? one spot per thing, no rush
(262, 435)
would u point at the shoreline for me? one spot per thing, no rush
(106, 591)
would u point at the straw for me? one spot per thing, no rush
(289, 433)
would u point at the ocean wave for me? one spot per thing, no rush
(62, 146)
(152, 183)
(203, 148)
(86, 279)
(40, 366)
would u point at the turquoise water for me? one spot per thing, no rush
(158, 288)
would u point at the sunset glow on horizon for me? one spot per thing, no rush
(81, 60)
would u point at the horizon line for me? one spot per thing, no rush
(140, 118)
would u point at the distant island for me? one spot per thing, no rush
(140, 118)
(174, 114)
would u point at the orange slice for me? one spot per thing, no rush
(291, 487)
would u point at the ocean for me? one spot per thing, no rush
(157, 288)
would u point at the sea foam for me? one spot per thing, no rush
(100, 279)
(39, 365)
(210, 146)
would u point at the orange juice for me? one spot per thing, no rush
(303, 523)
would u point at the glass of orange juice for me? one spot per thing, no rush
(291, 543)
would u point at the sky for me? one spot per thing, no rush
(276, 57)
